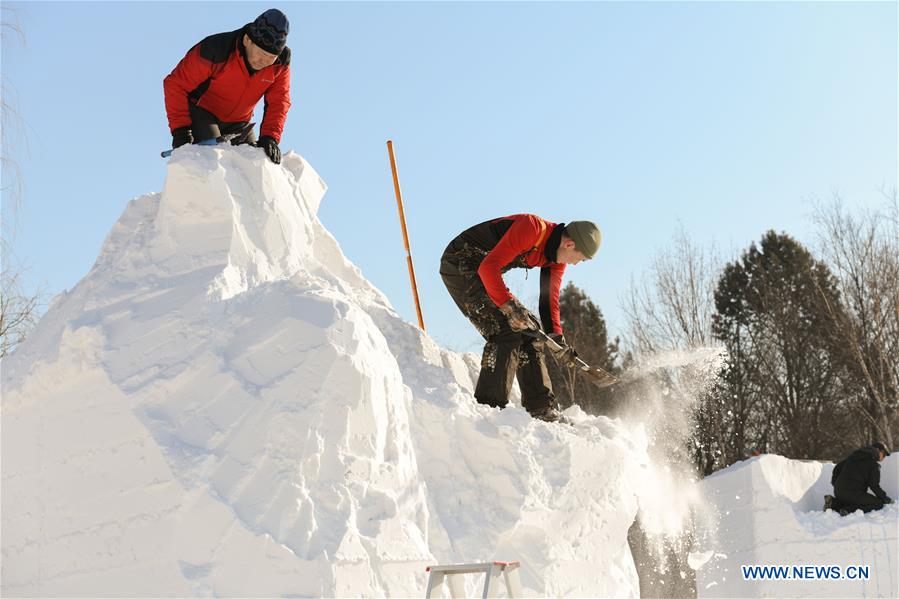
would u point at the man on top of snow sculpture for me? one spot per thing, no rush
(214, 89)
(853, 476)
(472, 267)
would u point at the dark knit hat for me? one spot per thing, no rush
(269, 31)
(881, 447)
(586, 237)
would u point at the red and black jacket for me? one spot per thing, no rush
(214, 76)
(521, 241)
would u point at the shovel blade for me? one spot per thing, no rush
(599, 378)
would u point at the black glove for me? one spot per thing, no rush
(182, 136)
(271, 148)
(565, 353)
(520, 318)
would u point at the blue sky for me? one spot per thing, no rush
(726, 118)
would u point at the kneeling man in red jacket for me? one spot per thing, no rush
(214, 89)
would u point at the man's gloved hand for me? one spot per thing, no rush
(566, 353)
(520, 318)
(182, 136)
(271, 148)
(889, 501)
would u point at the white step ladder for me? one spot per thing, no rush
(493, 571)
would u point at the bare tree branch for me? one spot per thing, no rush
(672, 306)
(18, 309)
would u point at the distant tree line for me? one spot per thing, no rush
(811, 338)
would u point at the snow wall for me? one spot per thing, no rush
(225, 406)
(769, 511)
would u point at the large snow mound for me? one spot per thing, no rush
(769, 512)
(225, 406)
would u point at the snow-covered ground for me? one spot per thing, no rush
(225, 406)
(768, 512)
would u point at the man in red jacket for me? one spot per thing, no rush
(214, 89)
(472, 267)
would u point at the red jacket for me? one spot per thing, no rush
(214, 76)
(525, 242)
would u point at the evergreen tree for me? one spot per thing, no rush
(781, 390)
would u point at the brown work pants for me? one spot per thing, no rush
(507, 353)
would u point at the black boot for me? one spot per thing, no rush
(550, 414)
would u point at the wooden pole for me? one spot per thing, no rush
(399, 204)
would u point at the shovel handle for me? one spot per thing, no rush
(599, 377)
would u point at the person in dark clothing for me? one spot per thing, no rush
(852, 478)
(472, 267)
(213, 90)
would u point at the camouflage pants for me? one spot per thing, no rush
(507, 353)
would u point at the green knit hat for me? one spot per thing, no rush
(586, 237)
